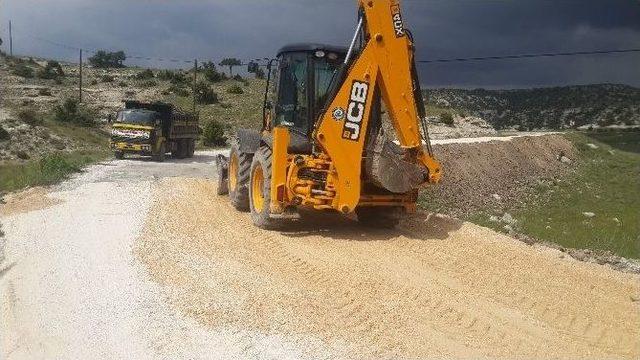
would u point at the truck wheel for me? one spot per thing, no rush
(178, 150)
(192, 147)
(260, 189)
(380, 217)
(119, 155)
(160, 156)
(239, 172)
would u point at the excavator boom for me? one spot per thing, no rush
(386, 63)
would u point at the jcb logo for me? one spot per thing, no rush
(355, 111)
(398, 25)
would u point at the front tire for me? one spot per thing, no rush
(160, 156)
(239, 174)
(119, 155)
(260, 189)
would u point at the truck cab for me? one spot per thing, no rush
(154, 129)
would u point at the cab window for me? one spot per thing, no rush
(292, 106)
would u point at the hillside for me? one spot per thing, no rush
(550, 108)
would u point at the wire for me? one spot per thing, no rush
(529, 56)
(430, 61)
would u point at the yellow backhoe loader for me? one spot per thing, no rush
(344, 130)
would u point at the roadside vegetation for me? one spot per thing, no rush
(595, 208)
(46, 171)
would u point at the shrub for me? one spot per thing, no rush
(213, 134)
(23, 71)
(211, 74)
(145, 75)
(4, 134)
(44, 92)
(235, 89)
(123, 84)
(104, 59)
(149, 84)
(241, 79)
(260, 73)
(29, 116)
(165, 75)
(176, 78)
(57, 166)
(52, 70)
(446, 118)
(94, 82)
(178, 91)
(71, 111)
(22, 155)
(107, 78)
(204, 94)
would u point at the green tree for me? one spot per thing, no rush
(446, 118)
(213, 134)
(230, 62)
(104, 59)
(211, 73)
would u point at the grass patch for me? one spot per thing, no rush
(47, 170)
(606, 183)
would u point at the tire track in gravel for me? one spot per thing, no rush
(435, 287)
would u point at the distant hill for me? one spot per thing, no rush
(551, 108)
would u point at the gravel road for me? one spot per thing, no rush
(137, 260)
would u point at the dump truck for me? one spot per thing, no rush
(154, 129)
(324, 144)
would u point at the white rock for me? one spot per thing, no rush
(508, 219)
(616, 220)
(588, 214)
(565, 160)
(508, 229)
(592, 146)
(494, 218)
(497, 197)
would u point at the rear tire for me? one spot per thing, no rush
(191, 147)
(239, 174)
(380, 217)
(178, 152)
(260, 190)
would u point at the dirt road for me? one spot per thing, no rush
(126, 261)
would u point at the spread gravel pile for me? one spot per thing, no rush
(435, 287)
(474, 172)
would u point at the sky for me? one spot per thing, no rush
(248, 29)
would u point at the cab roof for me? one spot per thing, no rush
(312, 47)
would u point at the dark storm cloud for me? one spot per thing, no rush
(443, 29)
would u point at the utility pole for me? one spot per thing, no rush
(10, 40)
(195, 81)
(80, 83)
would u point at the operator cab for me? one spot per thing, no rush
(300, 88)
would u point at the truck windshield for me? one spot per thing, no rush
(136, 117)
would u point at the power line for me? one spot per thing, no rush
(529, 56)
(428, 61)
